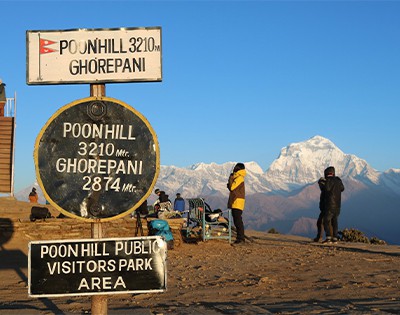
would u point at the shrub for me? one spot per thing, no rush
(353, 235)
(376, 241)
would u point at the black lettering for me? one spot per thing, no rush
(63, 45)
(82, 44)
(140, 40)
(102, 46)
(132, 40)
(102, 64)
(92, 66)
(121, 46)
(110, 65)
(138, 64)
(73, 47)
(74, 67)
(82, 67)
(92, 47)
(112, 48)
(127, 66)
(118, 64)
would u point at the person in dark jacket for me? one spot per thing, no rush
(3, 98)
(332, 200)
(236, 200)
(163, 205)
(320, 221)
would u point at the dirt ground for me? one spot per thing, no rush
(274, 274)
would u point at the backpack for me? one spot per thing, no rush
(39, 213)
(161, 228)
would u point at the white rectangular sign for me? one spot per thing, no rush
(94, 55)
(97, 266)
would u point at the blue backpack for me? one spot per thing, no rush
(160, 227)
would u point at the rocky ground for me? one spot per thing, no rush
(274, 274)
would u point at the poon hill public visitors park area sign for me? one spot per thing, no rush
(97, 159)
(83, 267)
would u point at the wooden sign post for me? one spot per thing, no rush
(99, 302)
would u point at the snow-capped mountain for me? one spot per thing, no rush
(298, 164)
(208, 179)
(303, 163)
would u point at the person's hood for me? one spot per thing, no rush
(330, 171)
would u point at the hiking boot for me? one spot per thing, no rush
(239, 243)
(328, 240)
(317, 239)
(334, 240)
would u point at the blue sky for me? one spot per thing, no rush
(241, 79)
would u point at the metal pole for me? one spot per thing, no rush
(13, 144)
(99, 302)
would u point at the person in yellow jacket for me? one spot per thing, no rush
(236, 200)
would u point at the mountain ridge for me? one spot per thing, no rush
(297, 165)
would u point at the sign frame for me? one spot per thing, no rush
(97, 255)
(134, 59)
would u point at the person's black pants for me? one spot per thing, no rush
(238, 221)
(331, 223)
(320, 224)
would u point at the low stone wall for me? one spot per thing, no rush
(67, 228)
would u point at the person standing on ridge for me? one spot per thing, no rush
(236, 200)
(179, 203)
(3, 98)
(163, 205)
(320, 221)
(332, 191)
(33, 196)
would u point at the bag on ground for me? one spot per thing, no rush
(161, 228)
(38, 213)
